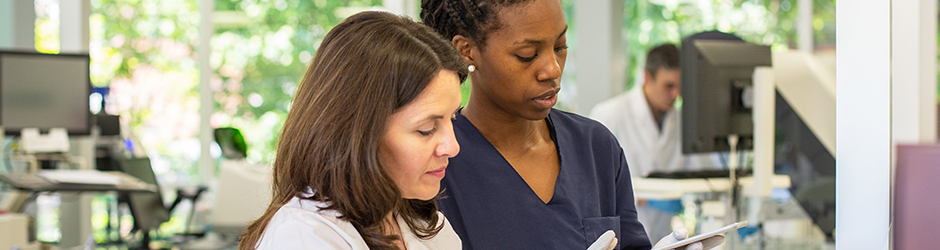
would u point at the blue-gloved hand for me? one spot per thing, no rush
(666, 206)
(680, 233)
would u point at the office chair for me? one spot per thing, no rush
(148, 209)
(244, 189)
(231, 142)
(242, 194)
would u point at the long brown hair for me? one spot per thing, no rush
(366, 68)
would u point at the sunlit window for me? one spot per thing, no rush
(260, 50)
(47, 26)
(145, 52)
(648, 23)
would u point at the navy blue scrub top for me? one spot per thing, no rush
(491, 206)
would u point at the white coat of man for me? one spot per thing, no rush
(646, 124)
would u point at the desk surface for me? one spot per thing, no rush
(657, 188)
(36, 183)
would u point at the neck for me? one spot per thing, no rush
(657, 114)
(504, 130)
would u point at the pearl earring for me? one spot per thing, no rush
(471, 68)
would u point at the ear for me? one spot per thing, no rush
(467, 49)
(647, 77)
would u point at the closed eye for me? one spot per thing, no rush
(428, 132)
(527, 59)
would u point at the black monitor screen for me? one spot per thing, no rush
(716, 81)
(811, 167)
(44, 91)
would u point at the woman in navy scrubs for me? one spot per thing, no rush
(528, 176)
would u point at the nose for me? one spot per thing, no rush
(551, 70)
(448, 146)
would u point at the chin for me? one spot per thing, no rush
(424, 194)
(536, 115)
(423, 197)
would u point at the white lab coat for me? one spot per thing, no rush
(629, 118)
(299, 224)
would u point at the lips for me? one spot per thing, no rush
(439, 173)
(547, 100)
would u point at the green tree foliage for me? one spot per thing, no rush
(648, 23)
(144, 51)
(260, 57)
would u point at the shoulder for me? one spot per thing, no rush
(581, 129)
(301, 224)
(447, 233)
(563, 120)
(445, 239)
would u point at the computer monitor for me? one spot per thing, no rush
(812, 168)
(805, 134)
(44, 91)
(716, 81)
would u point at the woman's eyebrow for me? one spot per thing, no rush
(434, 117)
(530, 41)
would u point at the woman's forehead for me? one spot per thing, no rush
(540, 20)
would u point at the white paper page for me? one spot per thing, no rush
(80, 177)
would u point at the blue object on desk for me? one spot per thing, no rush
(745, 231)
(129, 145)
(666, 206)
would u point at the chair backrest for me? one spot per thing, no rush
(147, 209)
(243, 194)
(231, 142)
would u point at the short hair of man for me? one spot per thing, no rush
(665, 56)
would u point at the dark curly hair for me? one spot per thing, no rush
(471, 18)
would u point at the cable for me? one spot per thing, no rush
(709, 184)
(741, 160)
(7, 149)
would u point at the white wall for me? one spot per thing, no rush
(863, 124)
(17, 25)
(600, 58)
(914, 67)
(73, 26)
(885, 87)
(403, 7)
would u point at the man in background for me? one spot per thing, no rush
(645, 122)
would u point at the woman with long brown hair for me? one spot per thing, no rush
(366, 142)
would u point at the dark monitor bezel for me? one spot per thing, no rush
(88, 116)
(709, 93)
